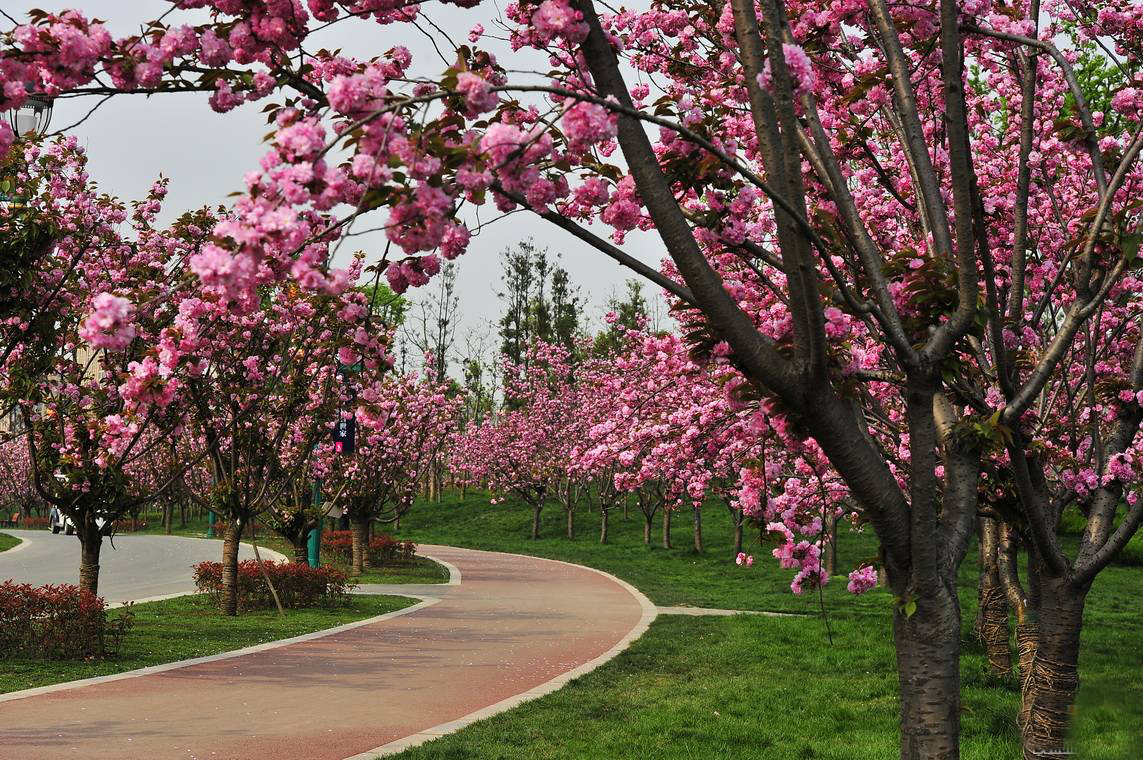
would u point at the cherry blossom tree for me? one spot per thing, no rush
(17, 489)
(524, 450)
(911, 232)
(403, 424)
(93, 389)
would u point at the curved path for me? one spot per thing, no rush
(139, 565)
(515, 627)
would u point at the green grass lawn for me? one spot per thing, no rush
(758, 686)
(422, 570)
(7, 542)
(190, 626)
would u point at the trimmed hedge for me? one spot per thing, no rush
(383, 548)
(297, 584)
(57, 623)
(124, 525)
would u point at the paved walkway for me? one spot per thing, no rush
(138, 566)
(513, 628)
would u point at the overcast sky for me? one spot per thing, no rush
(133, 139)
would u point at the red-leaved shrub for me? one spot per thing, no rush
(383, 548)
(126, 525)
(297, 584)
(57, 623)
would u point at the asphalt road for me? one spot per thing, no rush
(139, 566)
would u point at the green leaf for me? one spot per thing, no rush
(910, 607)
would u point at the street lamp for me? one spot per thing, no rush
(34, 116)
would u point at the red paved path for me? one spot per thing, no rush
(511, 625)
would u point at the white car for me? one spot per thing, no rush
(61, 523)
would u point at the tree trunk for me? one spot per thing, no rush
(993, 631)
(536, 520)
(831, 545)
(302, 550)
(1050, 689)
(737, 515)
(571, 523)
(1027, 641)
(359, 542)
(698, 529)
(228, 603)
(168, 517)
(992, 614)
(90, 542)
(666, 528)
(602, 525)
(928, 671)
(647, 528)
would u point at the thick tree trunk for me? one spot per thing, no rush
(928, 662)
(90, 542)
(1027, 641)
(359, 546)
(992, 615)
(302, 550)
(647, 529)
(571, 523)
(698, 529)
(536, 521)
(666, 528)
(228, 603)
(1050, 690)
(602, 525)
(993, 630)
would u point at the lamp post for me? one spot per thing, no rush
(32, 117)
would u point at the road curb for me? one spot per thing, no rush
(650, 612)
(425, 601)
(23, 543)
(25, 693)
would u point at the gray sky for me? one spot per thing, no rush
(133, 139)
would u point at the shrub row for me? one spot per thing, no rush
(383, 548)
(297, 584)
(57, 623)
(126, 525)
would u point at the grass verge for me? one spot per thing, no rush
(422, 570)
(190, 626)
(7, 542)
